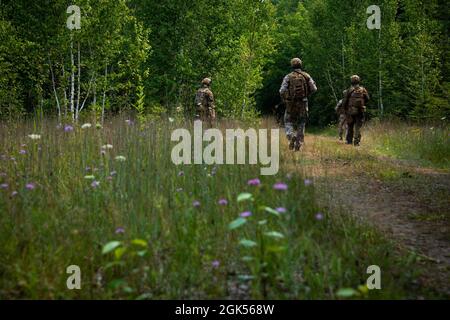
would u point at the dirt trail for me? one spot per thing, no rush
(412, 209)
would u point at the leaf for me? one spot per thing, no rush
(142, 253)
(248, 243)
(276, 249)
(272, 211)
(139, 242)
(110, 246)
(274, 234)
(346, 293)
(244, 197)
(237, 223)
(247, 259)
(245, 277)
(119, 252)
(262, 222)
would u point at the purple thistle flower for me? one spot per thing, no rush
(30, 186)
(281, 210)
(308, 182)
(22, 151)
(223, 202)
(280, 186)
(120, 230)
(215, 264)
(246, 214)
(68, 128)
(4, 186)
(254, 182)
(14, 193)
(95, 184)
(196, 204)
(319, 216)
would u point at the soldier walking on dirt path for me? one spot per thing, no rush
(297, 86)
(354, 103)
(204, 103)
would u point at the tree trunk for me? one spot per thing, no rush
(72, 81)
(54, 90)
(104, 92)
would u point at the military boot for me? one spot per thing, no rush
(298, 146)
(292, 143)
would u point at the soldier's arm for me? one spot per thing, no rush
(311, 85)
(284, 86)
(366, 96)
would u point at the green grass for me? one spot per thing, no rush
(169, 248)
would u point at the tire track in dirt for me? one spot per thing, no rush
(344, 184)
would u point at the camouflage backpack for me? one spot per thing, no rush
(356, 101)
(298, 86)
(201, 99)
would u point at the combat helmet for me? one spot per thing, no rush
(206, 82)
(355, 79)
(296, 63)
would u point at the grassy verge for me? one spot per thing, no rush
(110, 201)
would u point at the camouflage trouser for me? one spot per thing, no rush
(295, 119)
(342, 125)
(205, 116)
(355, 123)
(295, 126)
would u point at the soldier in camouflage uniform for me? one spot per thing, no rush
(204, 103)
(342, 124)
(296, 88)
(354, 103)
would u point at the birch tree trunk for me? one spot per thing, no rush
(380, 84)
(79, 83)
(104, 92)
(72, 81)
(54, 90)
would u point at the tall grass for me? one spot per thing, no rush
(427, 144)
(144, 228)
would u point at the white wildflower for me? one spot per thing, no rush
(121, 158)
(34, 136)
(86, 126)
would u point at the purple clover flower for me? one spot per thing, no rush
(23, 151)
(215, 264)
(280, 186)
(308, 182)
(4, 186)
(30, 186)
(319, 216)
(223, 202)
(95, 184)
(245, 214)
(281, 210)
(120, 230)
(68, 128)
(196, 204)
(254, 182)
(14, 193)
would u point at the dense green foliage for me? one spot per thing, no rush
(166, 48)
